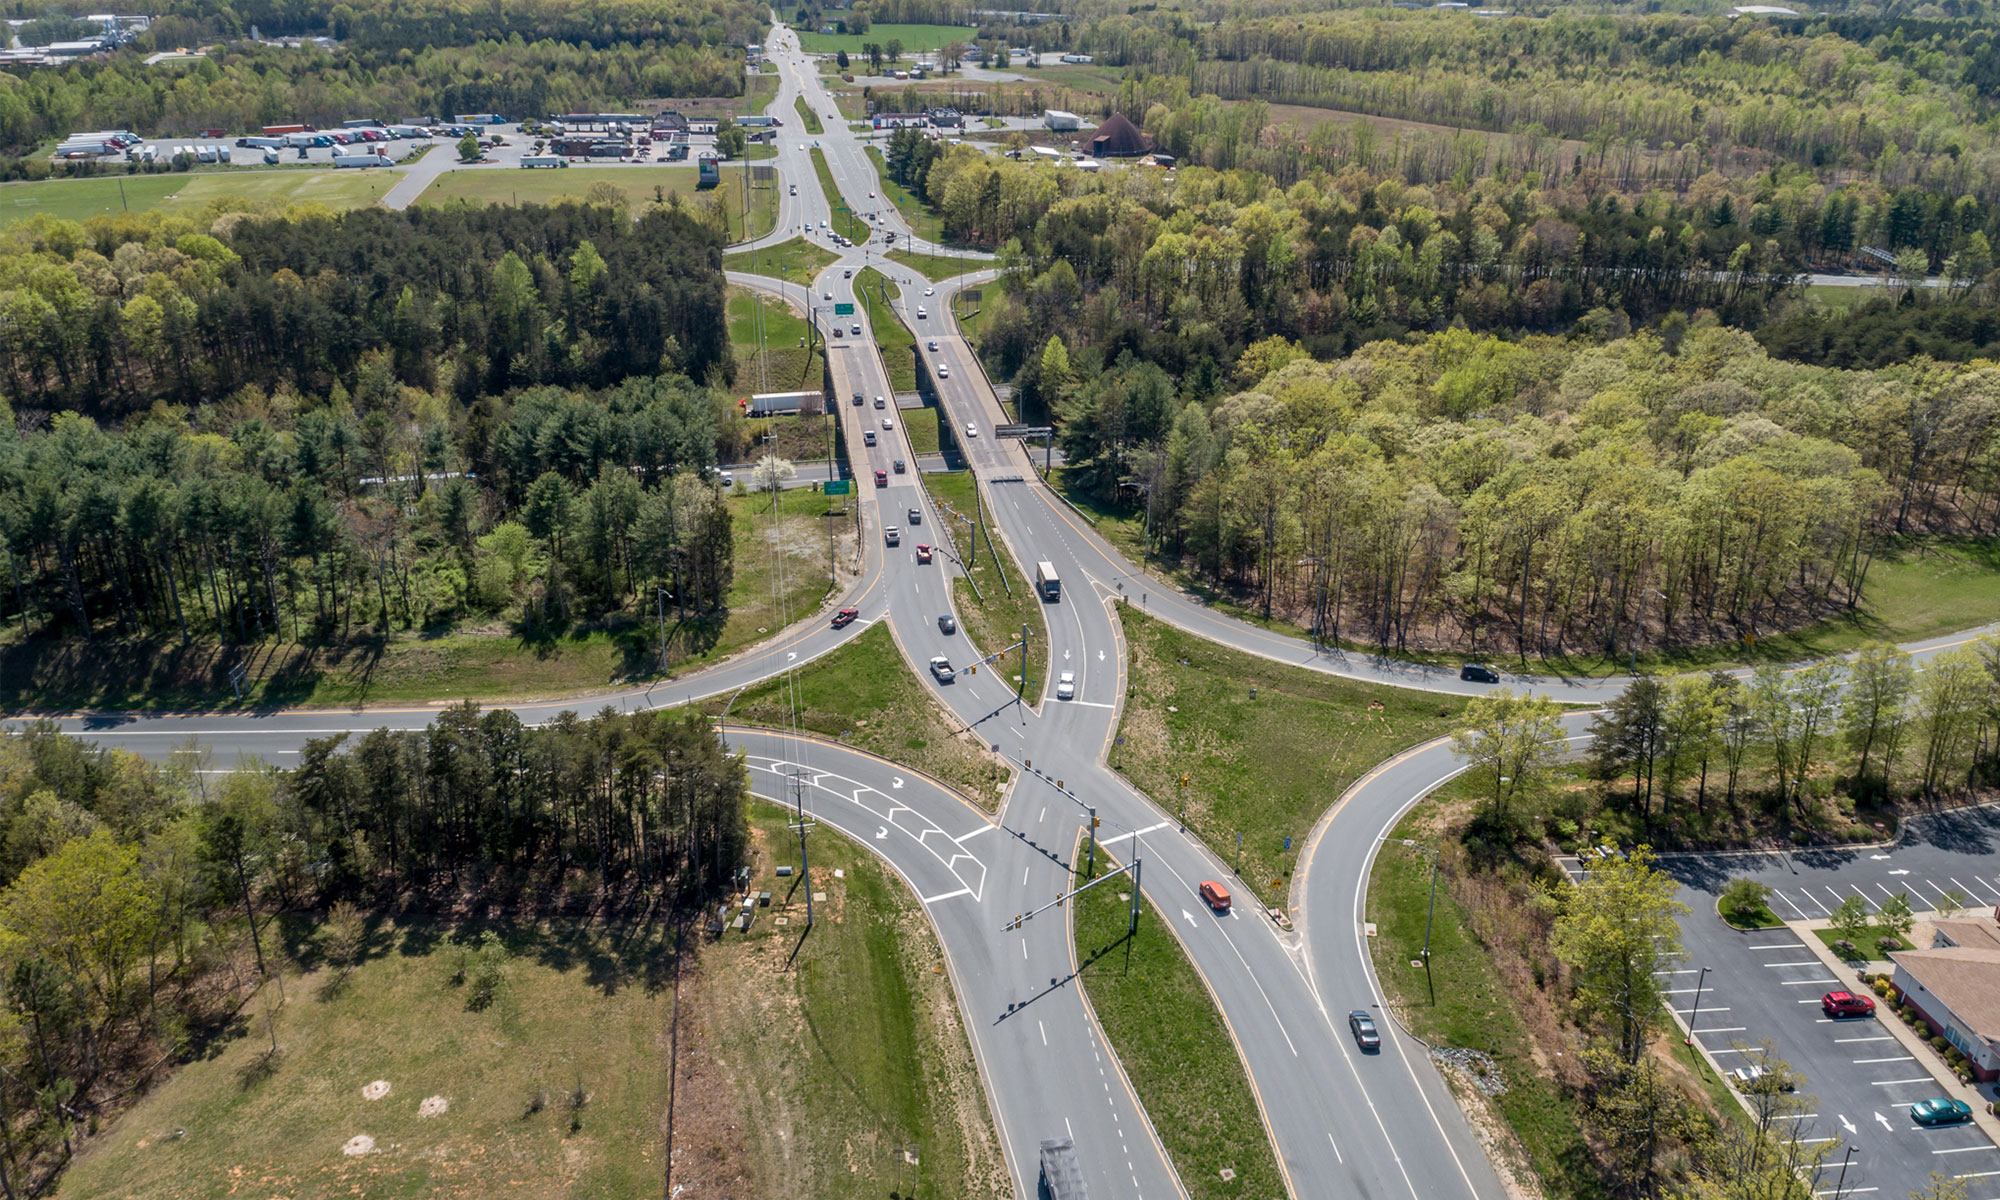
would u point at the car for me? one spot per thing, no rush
(916, 516)
(855, 329)
(879, 403)
(921, 314)
(1214, 895)
(845, 617)
(848, 273)
(826, 295)
(1846, 1004)
(941, 668)
(971, 430)
(944, 372)
(867, 437)
(900, 467)
(1940, 1110)
(1474, 673)
(802, 147)
(923, 552)
(836, 331)
(1066, 686)
(892, 535)
(947, 624)
(881, 479)
(1362, 1026)
(857, 399)
(930, 291)
(728, 479)
(888, 422)
(933, 345)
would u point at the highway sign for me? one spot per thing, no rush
(837, 487)
(1019, 431)
(843, 310)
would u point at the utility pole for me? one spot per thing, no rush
(1021, 680)
(1090, 869)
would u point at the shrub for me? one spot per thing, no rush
(1881, 989)
(1938, 1044)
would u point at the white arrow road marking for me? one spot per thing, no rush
(897, 781)
(1847, 1124)
(1100, 658)
(1190, 918)
(789, 657)
(1065, 656)
(1883, 1119)
(1878, 857)
(882, 833)
(1899, 872)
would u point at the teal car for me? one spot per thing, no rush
(1940, 1110)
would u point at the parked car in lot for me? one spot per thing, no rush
(1759, 1078)
(1846, 1004)
(845, 616)
(941, 667)
(1474, 673)
(1362, 1026)
(1940, 1110)
(1066, 686)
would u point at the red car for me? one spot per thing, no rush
(844, 616)
(1846, 1004)
(923, 552)
(881, 479)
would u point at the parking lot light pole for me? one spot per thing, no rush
(1842, 1181)
(1431, 912)
(1695, 1013)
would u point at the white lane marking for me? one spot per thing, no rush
(1803, 962)
(1044, 1029)
(1044, 816)
(1091, 703)
(975, 833)
(1336, 1150)
(1900, 1082)
(1135, 833)
(1863, 1062)
(964, 891)
(1788, 903)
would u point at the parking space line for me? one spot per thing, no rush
(1919, 898)
(1788, 902)
(1824, 911)
(1804, 962)
(1801, 982)
(1688, 1012)
(1863, 1062)
(1968, 891)
(1786, 945)
(1887, 1037)
(1961, 1149)
(1732, 1050)
(1847, 1191)
(1899, 1082)
(1725, 1029)
(1856, 889)
(1976, 1174)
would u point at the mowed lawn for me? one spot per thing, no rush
(913, 37)
(641, 185)
(78, 199)
(583, 1005)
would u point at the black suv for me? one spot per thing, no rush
(1474, 673)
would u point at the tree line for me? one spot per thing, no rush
(1537, 496)
(138, 902)
(110, 316)
(599, 24)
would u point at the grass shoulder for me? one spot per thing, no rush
(1162, 1023)
(939, 267)
(864, 695)
(1265, 765)
(808, 117)
(482, 1097)
(862, 1026)
(795, 261)
(773, 346)
(999, 599)
(893, 340)
(923, 220)
(1465, 1002)
(495, 659)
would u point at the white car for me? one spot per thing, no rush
(1066, 686)
(930, 291)
(944, 372)
(871, 195)
(921, 314)
(888, 423)
(971, 430)
(826, 295)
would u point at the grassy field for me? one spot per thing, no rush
(796, 437)
(939, 267)
(864, 695)
(969, 315)
(922, 426)
(78, 199)
(797, 261)
(785, 364)
(807, 117)
(1473, 1008)
(492, 661)
(856, 229)
(583, 1005)
(1265, 767)
(1869, 945)
(893, 340)
(1843, 297)
(913, 37)
(815, 1078)
(924, 222)
(641, 186)
(1917, 588)
(1171, 1040)
(994, 618)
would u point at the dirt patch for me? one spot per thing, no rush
(433, 1106)
(358, 1145)
(376, 1090)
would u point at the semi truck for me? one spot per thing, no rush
(1046, 582)
(1061, 1175)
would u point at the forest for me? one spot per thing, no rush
(110, 317)
(143, 906)
(1599, 493)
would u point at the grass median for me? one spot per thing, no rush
(862, 1027)
(773, 347)
(1164, 1026)
(893, 340)
(863, 695)
(1472, 1008)
(808, 117)
(844, 220)
(796, 261)
(1265, 747)
(992, 617)
(939, 267)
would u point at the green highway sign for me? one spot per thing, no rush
(843, 310)
(836, 487)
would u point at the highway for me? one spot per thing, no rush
(1344, 1123)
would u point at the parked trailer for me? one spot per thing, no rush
(360, 160)
(263, 143)
(543, 160)
(282, 130)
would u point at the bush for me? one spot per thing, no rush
(1939, 1044)
(1881, 989)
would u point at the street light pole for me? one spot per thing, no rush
(1695, 1013)
(1842, 1181)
